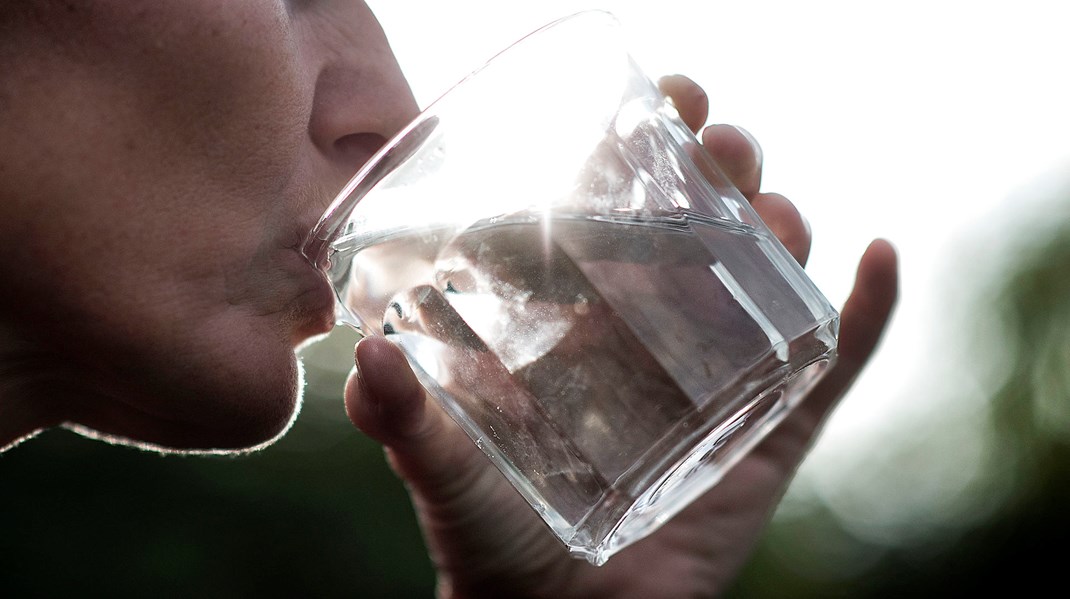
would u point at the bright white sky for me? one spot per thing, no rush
(917, 121)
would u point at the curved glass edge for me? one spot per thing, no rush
(705, 467)
(406, 142)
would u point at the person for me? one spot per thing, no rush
(161, 164)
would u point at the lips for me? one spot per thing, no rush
(312, 297)
(315, 303)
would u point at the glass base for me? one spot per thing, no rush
(702, 468)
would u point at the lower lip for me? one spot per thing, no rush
(315, 305)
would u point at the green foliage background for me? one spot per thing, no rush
(318, 514)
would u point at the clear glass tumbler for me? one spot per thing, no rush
(578, 285)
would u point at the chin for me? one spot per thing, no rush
(247, 421)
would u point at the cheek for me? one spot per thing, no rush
(150, 147)
(223, 101)
(149, 152)
(148, 129)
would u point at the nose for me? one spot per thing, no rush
(360, 96)
(357, 108)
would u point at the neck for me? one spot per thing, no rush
(25, 395)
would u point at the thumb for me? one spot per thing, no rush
(426, 448)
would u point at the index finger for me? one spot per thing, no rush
(689, 99)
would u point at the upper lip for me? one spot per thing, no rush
(304, 234)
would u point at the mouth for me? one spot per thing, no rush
(313, 305)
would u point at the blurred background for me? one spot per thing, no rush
(942, 126)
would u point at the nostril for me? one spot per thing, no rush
(357, 148)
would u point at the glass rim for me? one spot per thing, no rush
(408, 141)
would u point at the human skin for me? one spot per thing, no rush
(160, 165)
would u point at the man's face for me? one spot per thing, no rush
(161, 163)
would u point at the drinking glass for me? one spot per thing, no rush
(578, 285)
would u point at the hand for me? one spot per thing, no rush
(484, 538)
